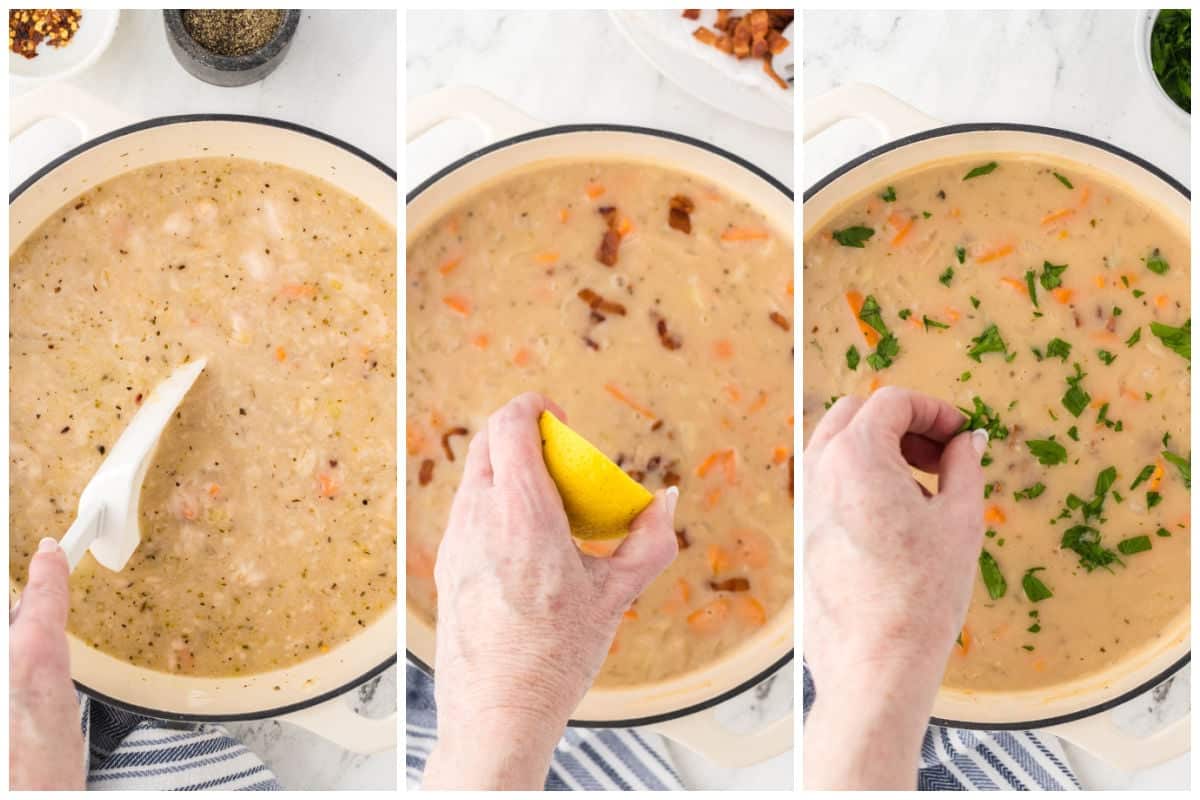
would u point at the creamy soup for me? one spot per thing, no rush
(1052, 306)
(656, 309)
(268, 515)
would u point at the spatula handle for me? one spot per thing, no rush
(81, 534)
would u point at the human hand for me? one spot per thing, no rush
(45, 743)
(888, 573)
(525, 619)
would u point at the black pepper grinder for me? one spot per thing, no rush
(229, 47)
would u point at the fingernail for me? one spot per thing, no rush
(672, 500)
(979, 439)
(48, 545)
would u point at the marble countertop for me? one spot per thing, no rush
(1066, 69)
(572, 67)
(349, 93)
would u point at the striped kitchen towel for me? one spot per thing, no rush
(130, 752)
(956, 759)
(585, 759)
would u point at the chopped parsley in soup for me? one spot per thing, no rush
(656, 308)
(268, 530)
(1052, 306)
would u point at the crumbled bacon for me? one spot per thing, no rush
(459, 431)
(597, 303)
(637, 475)
(758, 34)
(606, 253)
(730, 585)
(591, 343)
(691, 13)
(668, 340)
(426, 473)
(681, 538)
(780, 320)
(670, 478)
(679, 216)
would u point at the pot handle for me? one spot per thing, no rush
(337, 722)
(891, 117)
(1100, 736)
(91, 116)
(495, 118)
(704, 734)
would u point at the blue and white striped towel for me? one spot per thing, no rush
(956, 759)
(585, 759)
(129, 752)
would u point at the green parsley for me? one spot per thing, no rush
(1177, 339)
(1030, 282)
(933, 323)
(1134, 544)
(987, 342)
(1047, 451)
(854, 236)
(1084, 541)
(1030, 492)
(1152, 499)
(889, 196)
(983, 169)
(1076, 399)
(1105, 356)
(961, 254)
(983, 417)
(993, 579)
(852, 357)
(1063, 180)
(1134, 338)
(1035, 590)
(1156, 263)
(1052, 275)
(1184, 465)
(1057, 348)
(1073, 432)
(946, 277)
(1142, 477)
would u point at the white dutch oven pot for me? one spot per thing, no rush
(1074, 711)
(308, 694)
(680, 708)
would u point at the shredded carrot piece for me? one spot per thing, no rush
(759, 403)
(719, 559)
(1104, 336)
(522, 357)
(1055, 216)
(214, 490)
(458, 304)
(874, 385)
(449, 265)
(546, 258)
(563, 215)
(1129, 277)
(713, 458)
(855, 300)
(329, 485)
(1161, 301)
(452, 225)
(994, 254)
(780, 454)
(914, 322)
(1131, 394)
(1062, 294)
(594, 190)
(735, 395)
(616, 392)
(280, 354)
(1039, 664)
(953, 313)
(791, 289)
(299, 290)
(1100, 282)
(625, 226)
(955, 213)
(994, 513)
(750, 610)
(1084, 194)
(414, 438)
(711, 499)
(709, 618)
(481, 340)
(743, 234)
(630, 614)
(903, 228)
(1156, 476)
(723, 349)
(1015, 284)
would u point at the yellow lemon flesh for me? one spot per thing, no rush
(600, 499)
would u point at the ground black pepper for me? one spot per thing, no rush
(232, 32)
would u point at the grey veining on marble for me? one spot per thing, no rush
(572, 67)
(1076, 70)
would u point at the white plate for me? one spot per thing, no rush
(96, 29)
(741, 89)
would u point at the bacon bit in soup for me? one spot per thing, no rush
(665, 337)
(594, 190)
(606, 253)
(730, 585)
(780, 320)
(598, 303)
(679, 215)
(681, 539)
(750, 610)
(591, 343)
(426, 473)
(670, 478)
(757, 34)
(459, 431)
(691, 13)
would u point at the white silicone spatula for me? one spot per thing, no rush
(107, 520)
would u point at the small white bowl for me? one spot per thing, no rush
(1142, 32)
(96, 29)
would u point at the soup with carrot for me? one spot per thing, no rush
(1052, 306)
(656, 308)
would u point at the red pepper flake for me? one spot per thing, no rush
(730, 585)
(679, 216)
(459, 431)
(426, 473)
(597, 303)
(781, 320)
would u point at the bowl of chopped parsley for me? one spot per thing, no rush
(1164, 50)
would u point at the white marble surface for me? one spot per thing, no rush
(1074, 70)
(349, 92)
(571, 67)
